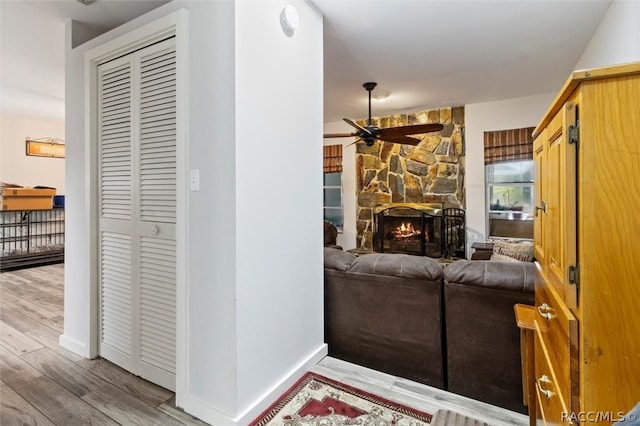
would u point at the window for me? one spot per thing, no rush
(510, 186)
(332, 184)
(508, 159)
(510, 199)
(333, 198)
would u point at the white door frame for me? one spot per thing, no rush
(173, 24)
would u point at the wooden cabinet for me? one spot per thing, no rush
(586, 232)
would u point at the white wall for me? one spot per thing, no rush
(617, 38)
(253, 294)
(489, 116)
(346, 238)
(279, 282)
(15, 166)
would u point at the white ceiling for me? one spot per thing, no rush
(426, 53)
(32, 37)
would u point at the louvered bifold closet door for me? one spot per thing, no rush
(156, 180)
(116, 207)
(137, 208)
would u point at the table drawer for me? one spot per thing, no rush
(552, 403)
(558, 330)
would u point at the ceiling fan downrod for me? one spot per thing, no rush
(369, 86)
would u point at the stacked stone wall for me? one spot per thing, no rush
(430, 172)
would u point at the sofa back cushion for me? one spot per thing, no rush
(335, 258)
(511, 276)
(397, 265)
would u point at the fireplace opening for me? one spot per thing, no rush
(409, 228)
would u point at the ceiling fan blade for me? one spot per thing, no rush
(357, 126)
(339, 135)
(406, 140)
(355, 142)
(412, 130)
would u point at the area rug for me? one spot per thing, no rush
(319, 401)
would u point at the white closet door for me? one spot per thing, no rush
(137, 187)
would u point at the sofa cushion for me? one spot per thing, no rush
(516, 276)
(335, 258)
(509, 251)
(397, 265)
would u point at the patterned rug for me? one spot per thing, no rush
(320, 401)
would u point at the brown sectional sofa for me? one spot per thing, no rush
(451, 328)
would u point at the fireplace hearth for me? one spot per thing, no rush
(408, 228)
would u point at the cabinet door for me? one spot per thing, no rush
(540, 195)
(559, 188)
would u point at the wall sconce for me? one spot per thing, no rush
(289, 19)
(45, 147)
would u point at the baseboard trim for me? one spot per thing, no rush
(276, 392)
(210, 414)
(73, 345)
(205, 412)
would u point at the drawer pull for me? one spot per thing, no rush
(545, 392)
(546, 311)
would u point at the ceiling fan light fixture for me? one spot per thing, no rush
(381, 95)
(85, 2)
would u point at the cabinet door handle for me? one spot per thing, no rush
(155, 230)
(543, 390)
(546, 311)
(542, 206)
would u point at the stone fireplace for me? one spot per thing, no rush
(408, 228)
(430, 173)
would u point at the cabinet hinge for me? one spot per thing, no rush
(574, 133)
(574, 276)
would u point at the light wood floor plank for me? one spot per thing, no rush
(35, 312)
(16, 318)
(16, 342)
(43, 303)
(14, 370)
(66, 373)
(126, 410)
(15, 411)
(51, 339)
(60, 405)
(145, 391)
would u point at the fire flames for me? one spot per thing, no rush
(405, 232)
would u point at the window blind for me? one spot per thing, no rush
(508, 145)
(332, 158)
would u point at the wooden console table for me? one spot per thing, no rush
(525, 316)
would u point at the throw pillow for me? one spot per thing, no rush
(508, 251)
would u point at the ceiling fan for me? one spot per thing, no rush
(370, 133)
